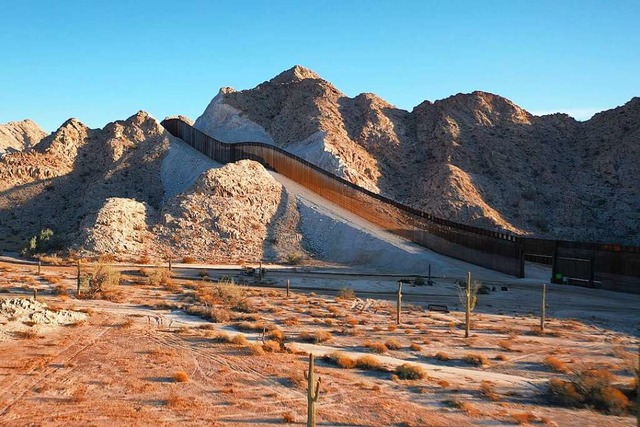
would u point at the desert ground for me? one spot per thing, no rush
(208, 345)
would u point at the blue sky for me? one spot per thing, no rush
(103, 61)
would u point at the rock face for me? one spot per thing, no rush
(19, 136)
(70, 175)
(475, 158)
(225, 215)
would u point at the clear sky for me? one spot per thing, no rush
(101, 61)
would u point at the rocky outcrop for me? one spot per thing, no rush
(19, 136)
(475, 158)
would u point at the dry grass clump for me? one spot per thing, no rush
(316, 337)
(466, 407)
(288, 418)
(99, 283)
(505, 344)
(501, 357)
(255, 349)
(60, 291)
(188, 260)
(291, 321)
(393, 344)
(276, 335)
(415, 346)
(523, 417)
(556, 364)
(346, 293)
(476, 359)
(271, 346)
(589, 388)
(376, 347)
(239, 339)
(443, 357)
(54, 280)
(342, 360)
(369, 363)
(181, 377)
(408, 371)
(487, 390)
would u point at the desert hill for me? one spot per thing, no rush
(475, 158)
(18, 136)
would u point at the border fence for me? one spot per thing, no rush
(607, 265)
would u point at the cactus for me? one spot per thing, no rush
(471, 299)
(312, 394)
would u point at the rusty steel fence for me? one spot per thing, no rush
(496, 251)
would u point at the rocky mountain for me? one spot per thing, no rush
(475, 158)
(134, 191)
(18, 136)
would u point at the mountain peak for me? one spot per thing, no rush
(296, 73)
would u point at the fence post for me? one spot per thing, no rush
(467, 308)
(399, 304)
(288, 287)
(543, 310)
(78, 279)
(39, 266)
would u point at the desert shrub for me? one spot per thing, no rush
(276, 335)
(29, 334)
(102, 279)
(288, 418)
(342, 360)
(589, 388)
(393, 344)
(466, 407)
(219, 315)
(255, 349)
(408, 371)
(291, 321)
(60, 290)
(157, 276)
(316, 337)
(501, 357)
(180, 377)
(271, 346)
(555, 364)
(415, 346)
(487, 390)
(294, 258)
(476, 359)
(505, 344)
(524, 417)
(442, 356)
(39, 243)
(346, 293)
(376, 347)
(239, 339)
(369, 363)
(188, 259)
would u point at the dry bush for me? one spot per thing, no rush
(347, 294)
(255, 349)
(466, 407)
(288, 418)
(101, 281)
(239, 339)
(393, 344)
(391, 328)
(342, 360)
(188, 260)
(369, 363)
(555, 364)
(487, 390)
(271, 346)
(291, 321)
(219, 315)
(408, 371)
(415, 346)
(589, 388)
(316, 337)
(352, 321)
(501, 357)
(60, 291)
(442, 356)
(505, 344)
(376, 347)
(276, 335)
(78, 394)
(54, 280)
(157, 276)
(126, 324)
(444, 383)
(476, 359)
(252, 326)
(181, 377)
(523, 417)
